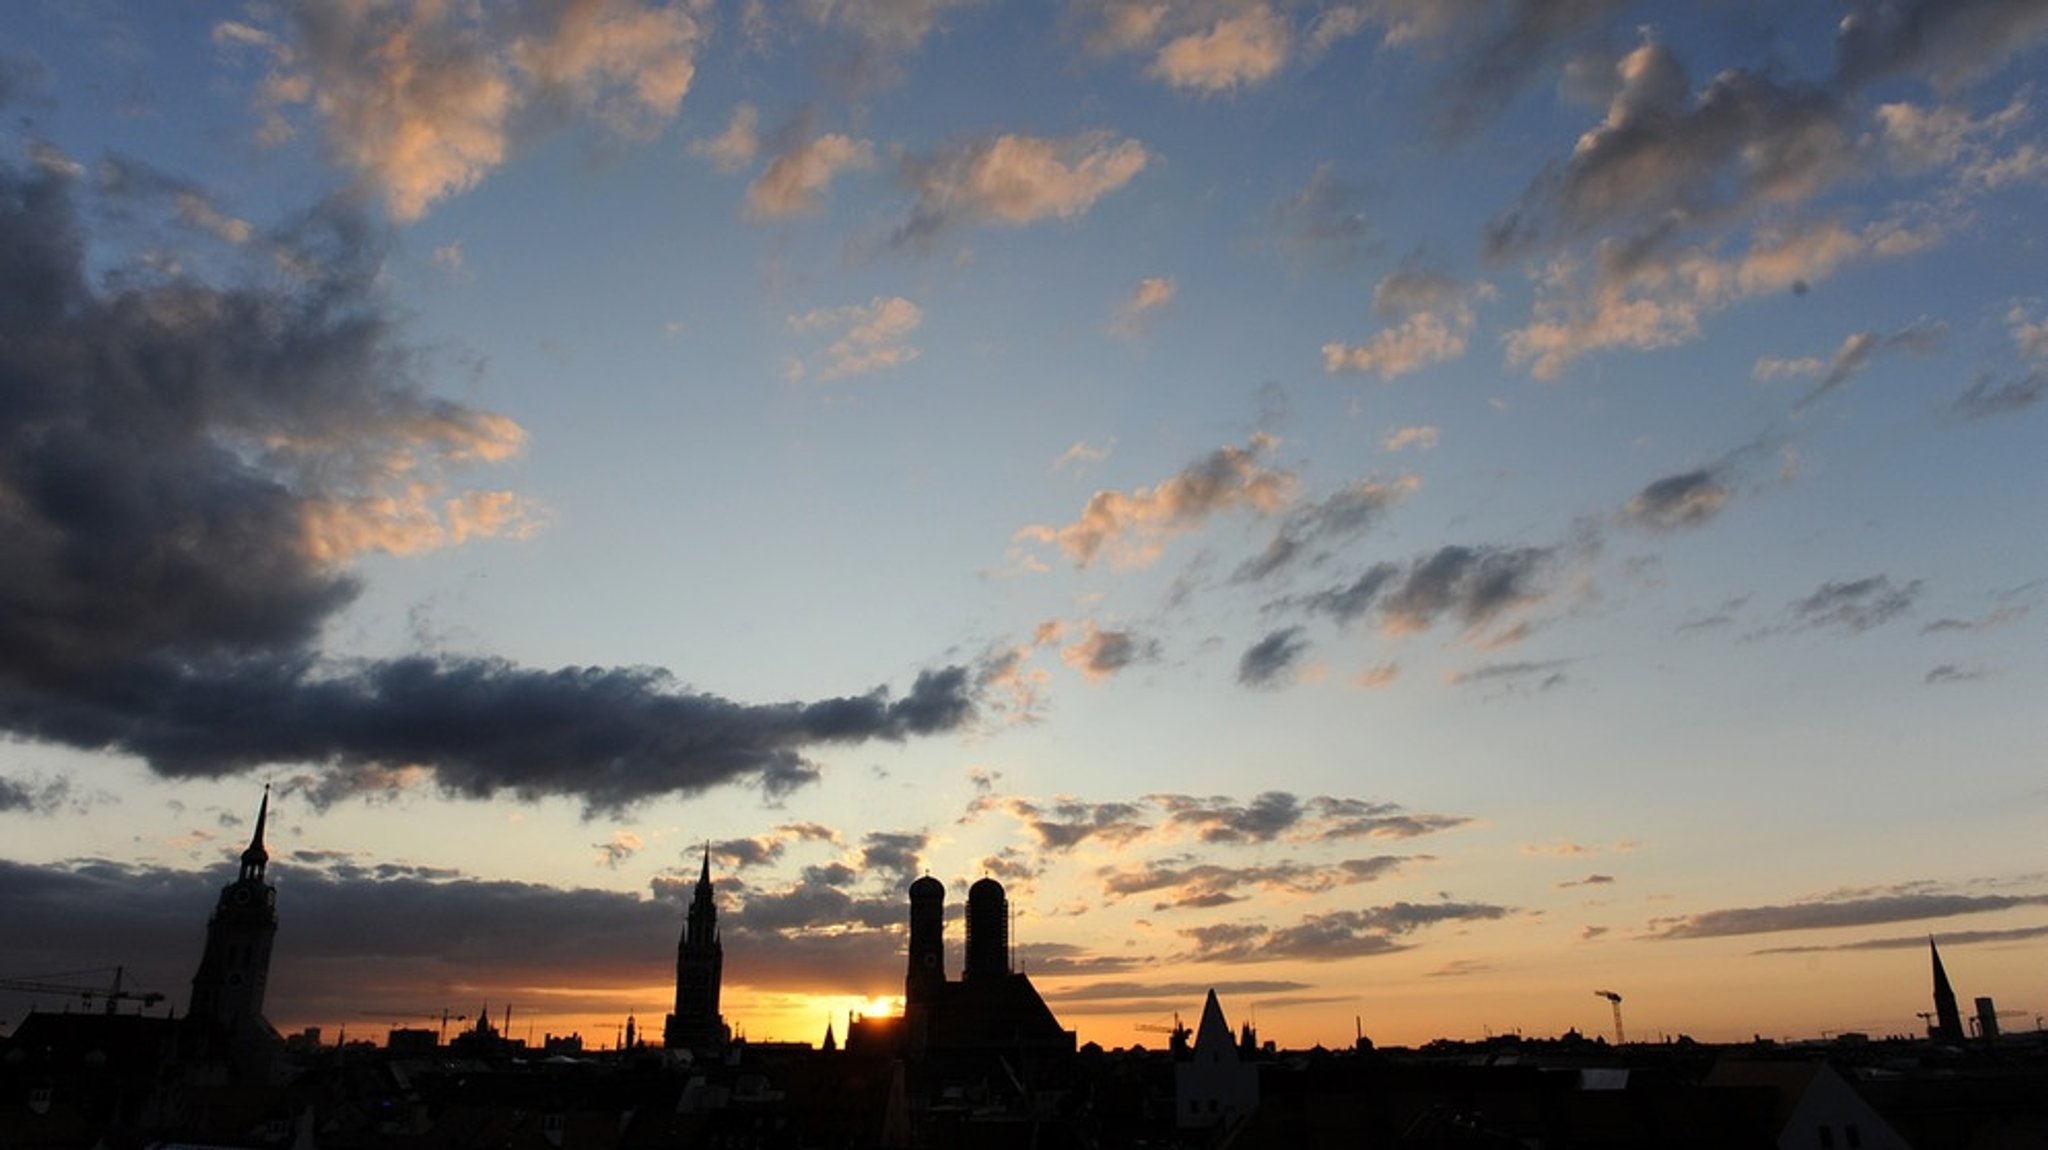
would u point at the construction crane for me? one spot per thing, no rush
(113, 993)
(1177, 1034)
(1614, 1000)
(444, 1014)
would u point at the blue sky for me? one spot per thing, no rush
(1406, 510)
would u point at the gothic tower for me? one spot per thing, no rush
(700, 962)
(988, 930)
(225, 1017)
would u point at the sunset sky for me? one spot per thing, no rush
(1411, 511)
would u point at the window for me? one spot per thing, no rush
(1852, 1136)
(1827, 1138)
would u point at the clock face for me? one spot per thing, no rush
(241, 896)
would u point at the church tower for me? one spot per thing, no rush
(700, 962)
(1948, 1019)
(988, 930)
(225, 1017)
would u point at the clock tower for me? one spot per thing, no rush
(226, 1012)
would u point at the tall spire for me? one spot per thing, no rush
(1948, 1020)
(704, 876)
(256, 857)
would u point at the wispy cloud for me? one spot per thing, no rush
(1016, 180)
(869, 337)
(1131, 528)
(1834, 913)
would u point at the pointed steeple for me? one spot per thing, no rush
(1948, 1019)
(704, 875)
(256, 857)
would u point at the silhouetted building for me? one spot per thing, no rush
(1948, 1019)
(695, 1023)
(1217, 1086)
(224, 1024)
(991, 1008)
(988, 930)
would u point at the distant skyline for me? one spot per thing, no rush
(1409, 511)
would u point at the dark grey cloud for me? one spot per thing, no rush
(1676, 502)
(1952, 41)
(894, 855)
(1219, 820)
(1544, 674)
(1344, 515)
(1332, 936)
(1336, 819)
(1989, 397)
(1855, 605)
(1830, 914)
(1918, 941)
(1501, 59)
(1666, 158)
(1355, 598)
(33, 796)
(1950, 673)
(188, 466)
(1066, 823)
(1267, 662)
(1470, 584)
(1589, 880)
(1183, 885)
(1101, 652)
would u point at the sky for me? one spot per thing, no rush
(1407, 513)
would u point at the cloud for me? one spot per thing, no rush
(1432, 319)
(1268, 662)
(1214, 820)
(191, 468)
(1953, 41)
(622, 846)
(1475, 585)
(1664, 153)
(1344, 515)
(1066, 822)
(1131, 529)
(1547, 673)
(1218, 820)
(1203, 885)
(871, 336)
(887, 27)
(34, 797)
(1016, 180)
(1950, 673)
(1332, 936)
(1855, 605)
(1100, 654)
(1145, 302)
(1325, 221)
(1992, 621)
(1951, 938)
(795, 181)
(1243, 49)
(1421, 437)
(1832, 914)
(1202, 47)
(1589, 880)
(1678, 502)
(735, 147)
(1081, 453)
(420, 100)
(1990, 396)
(1849, 360)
